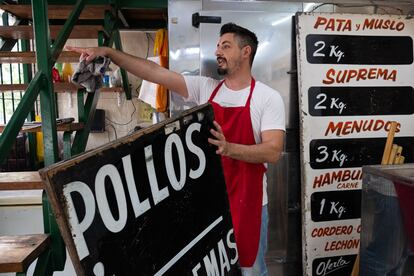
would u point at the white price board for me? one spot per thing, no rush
(355, 75)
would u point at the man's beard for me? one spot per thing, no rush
(222, 72)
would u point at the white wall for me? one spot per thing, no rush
(122, 115)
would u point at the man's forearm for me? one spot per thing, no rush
(148, 70)
(135, 65)
(259, 153)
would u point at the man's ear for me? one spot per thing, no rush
(246, 51)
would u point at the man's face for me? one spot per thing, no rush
(228, 54)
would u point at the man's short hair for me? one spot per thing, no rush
(245, 37)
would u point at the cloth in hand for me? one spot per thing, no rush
(90, 75)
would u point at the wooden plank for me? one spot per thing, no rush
(26, 32)
(30, 57)
(59, 87)
(59, 11)
(59, 127)
(20, 181)
(18, 252)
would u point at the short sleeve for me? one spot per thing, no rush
(199, 88)
(273, 116)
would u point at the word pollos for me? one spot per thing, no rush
(140, 205)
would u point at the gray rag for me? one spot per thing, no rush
(90, 75)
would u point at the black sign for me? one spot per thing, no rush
(353, 101)
(353, 49)
(336, 205)
(152, 203)
(336, 265)
(349, 153)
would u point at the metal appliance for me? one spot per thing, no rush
(192, 53)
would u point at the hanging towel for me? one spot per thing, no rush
(90, 75)
(148, 90)
(161, 50)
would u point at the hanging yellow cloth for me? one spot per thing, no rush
(39, 142)
(161, 50)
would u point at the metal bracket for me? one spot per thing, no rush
(197, 19)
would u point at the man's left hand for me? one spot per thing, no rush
(220, 141)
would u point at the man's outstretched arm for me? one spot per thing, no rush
(140, 67)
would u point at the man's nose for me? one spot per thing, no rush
(218, 52)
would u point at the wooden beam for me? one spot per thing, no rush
(18, 252)
(20, 181)
(26, 31)
(30, 57)
(38, 127)
(59, 87)
(92, 12)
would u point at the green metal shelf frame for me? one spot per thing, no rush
(41, 84)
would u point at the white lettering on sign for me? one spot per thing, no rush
(335, 103)
(190, 245)
(324, 268)
(79, 227)
(334, 52)
(157, 195)
(211, 266)
(110, 222)
(334, 156)
(194, 174)
(109, 175)
(138, 206)
(336, 208)
(174, 139)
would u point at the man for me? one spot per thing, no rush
(249, 130)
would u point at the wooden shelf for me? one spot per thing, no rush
(18, 252)
(30, 57)
(26, 32)
(59, 127)
(60, 87)
(20, 181)
(91, 12)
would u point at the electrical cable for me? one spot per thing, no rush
(127, 123)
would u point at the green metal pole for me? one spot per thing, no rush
(27, 76)
(124, 75)
(66, 30)
(48, 113)
(8, 137)
(81, 137)
(47, 96)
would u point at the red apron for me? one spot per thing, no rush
(244, 180)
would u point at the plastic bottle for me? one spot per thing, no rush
(59, 67)
(67, 72)
(55, 75)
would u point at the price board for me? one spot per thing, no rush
(355, 78)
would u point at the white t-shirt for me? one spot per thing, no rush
(267, 110)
